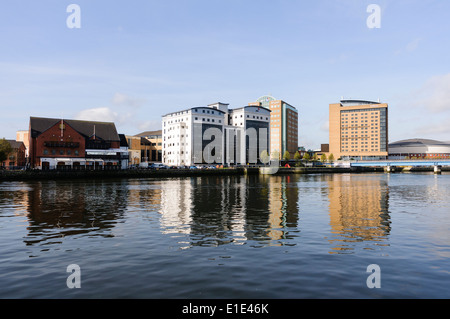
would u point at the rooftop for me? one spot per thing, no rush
(103, 130)
(357, 102)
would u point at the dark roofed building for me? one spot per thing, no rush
(123, 141)
(101, 130)
(75, 143)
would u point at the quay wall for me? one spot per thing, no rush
(7, 175)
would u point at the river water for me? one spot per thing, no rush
(293, 236)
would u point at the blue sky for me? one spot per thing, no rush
(133, 61)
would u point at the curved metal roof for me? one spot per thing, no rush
(419, 145)
(418, 141)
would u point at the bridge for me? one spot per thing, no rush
(416, 163)
(391, 164)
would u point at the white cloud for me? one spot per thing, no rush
(413, 45)
(435, 94)
(120, 99)
(409, 47)
(149, 126)
(440, 129)
(123, 112)
(103, 114)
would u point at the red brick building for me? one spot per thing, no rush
(74, 144)
(17, 157)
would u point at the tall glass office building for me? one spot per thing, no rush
(283, 125)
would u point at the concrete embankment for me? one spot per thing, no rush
(327, 170)
(132, 173)
(6, 175)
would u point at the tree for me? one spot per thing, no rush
(315, 157)
(264, 157)
(306, 157)
(286, 156)
(331, 158)
(297, 156)
(5, 150)
(323, 158)
(276, 155)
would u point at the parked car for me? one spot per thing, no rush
(193, 167)
(158, 166)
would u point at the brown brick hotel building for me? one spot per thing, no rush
(74, 144)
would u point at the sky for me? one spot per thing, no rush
(133, 61)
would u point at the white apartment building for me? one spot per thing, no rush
(224, 136)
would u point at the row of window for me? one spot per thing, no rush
(177, 152)
(175, 144)
(208, 120)
(360, 143)
(362, 121)
(61, 152)
(207, 111)
(361, 150)
(248, 116)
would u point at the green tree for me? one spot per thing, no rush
(5, 150)
(286, 156)
(323, 158)
(264, 157)
(315, 157)
(306, 157)
(297, 156)
(331, 158)
(276, 155)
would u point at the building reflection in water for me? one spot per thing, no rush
(218, 210)
(57, 209)
(209, 210)
(358, 208)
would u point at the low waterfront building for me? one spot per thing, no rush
(74, 144)
(124, 147)
(16, 158)
(419, 148)
(155, 139)
(215, 134)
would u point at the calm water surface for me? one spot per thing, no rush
(227, 237)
